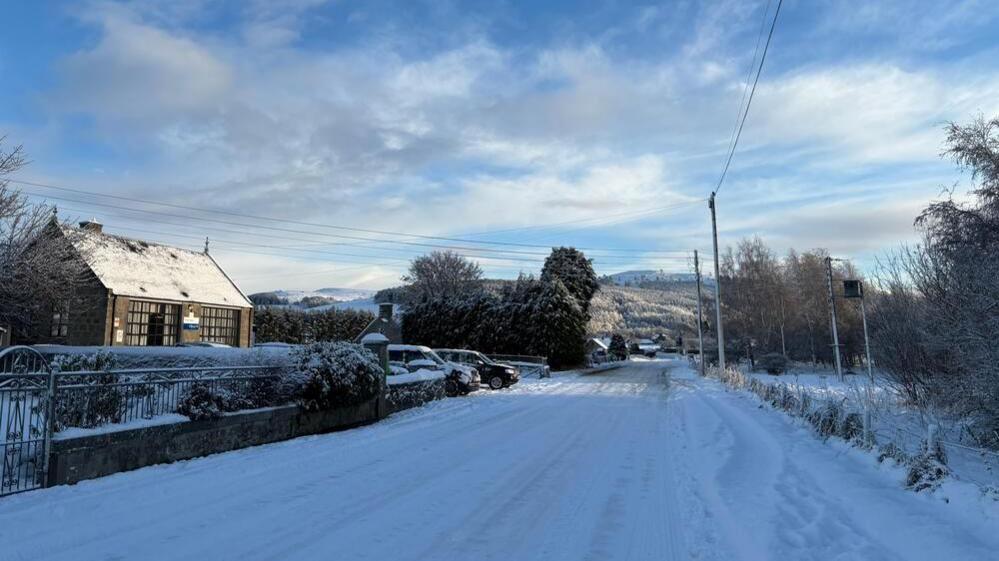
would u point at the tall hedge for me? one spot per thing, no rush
(289, 325)
(530, 317)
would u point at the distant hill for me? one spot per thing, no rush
(317, 300)
(335, 294)
(670, 308)
(652, 279)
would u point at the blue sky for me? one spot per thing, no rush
(599, 124)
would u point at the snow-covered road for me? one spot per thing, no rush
(627, 464)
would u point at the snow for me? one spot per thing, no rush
(147, 270)
(159, 420)
(374, 338)
(421, 375)
(360, 304)
(630, 464)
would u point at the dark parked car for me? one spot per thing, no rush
(496, 374)
(461, 379)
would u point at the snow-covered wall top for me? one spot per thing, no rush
(147, 270)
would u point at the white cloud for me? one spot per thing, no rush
(135, 68)
(477, 136)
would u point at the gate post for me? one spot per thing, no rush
(50, 413)
(378, 345)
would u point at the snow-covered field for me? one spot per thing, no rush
(625, 464)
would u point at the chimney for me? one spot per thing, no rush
(92, 225)
(385, 311)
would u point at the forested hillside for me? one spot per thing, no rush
(644, 312)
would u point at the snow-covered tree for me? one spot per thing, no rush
(618, 347)
(39, 271)
(575, 271)
(936, 327)
(442, 274)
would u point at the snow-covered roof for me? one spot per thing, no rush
(159, 272)
(599, 343)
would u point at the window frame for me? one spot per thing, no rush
(140, 329)
(220, 325)
(59, 322)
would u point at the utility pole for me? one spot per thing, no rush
(868, 426)
(832, 315)
(700, 320)
(718, 302)
(853, 288)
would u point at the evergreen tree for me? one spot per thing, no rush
(618, 347)
(570, 266)
(560, 329)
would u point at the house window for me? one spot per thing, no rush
(151, 324)
(60, 323)
(220, 325)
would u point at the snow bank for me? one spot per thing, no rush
(893, 420)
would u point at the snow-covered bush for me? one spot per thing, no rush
(98, 400)
(852, 427)
(927, 470)
(336, 374)
(825, 419)
(733, 377)
(772, 363)
(892, 451)
(201, 403)
(414, 394)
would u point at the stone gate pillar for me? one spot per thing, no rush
(378, 345)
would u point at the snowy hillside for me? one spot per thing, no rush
(318, 300)
(647, 277)
(337, 294)
(670, 307)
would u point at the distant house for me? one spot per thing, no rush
(595, 345)
(385, 323)
(145, 294)
(596, 350)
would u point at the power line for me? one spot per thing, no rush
(298, 222)
(408, 252)
(749, 73)
(306, 232)
(601, 219)
(749, 103)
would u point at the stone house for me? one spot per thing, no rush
(385, 324)
(144, 294)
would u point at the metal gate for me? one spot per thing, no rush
(26, 387)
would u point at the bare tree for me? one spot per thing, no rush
(442, 274)
(936, 322)
(39, 269)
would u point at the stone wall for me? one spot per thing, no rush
(89, 457)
